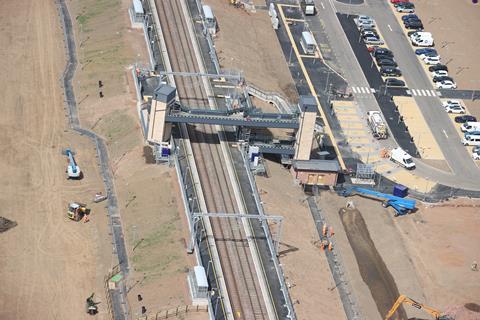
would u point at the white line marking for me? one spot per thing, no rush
(424, 92)
(445, 133)
(372, 90)
(389, 27)
(409, 92)
(429, 93)
(363, 90)
(438, 93)
(414, 92)
(321, 3)
(354, 89)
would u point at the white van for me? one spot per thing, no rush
(470, 126)
(422, 42)
(471, 140)
(308, 42)
(399, 156)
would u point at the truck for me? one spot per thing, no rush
(401, 157)
(308, 7)
(377, 125)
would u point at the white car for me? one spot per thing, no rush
(440, 73)
(423, 56)
(431, 60)
(476, 155)
(455, 109)
(373, 41)
(446, 85)
(451, 103)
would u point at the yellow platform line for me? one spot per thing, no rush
(310, 85)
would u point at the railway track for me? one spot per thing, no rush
(235, 257)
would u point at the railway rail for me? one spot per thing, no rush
(241, 278)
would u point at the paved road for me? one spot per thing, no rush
(456, 154)
(465, 172)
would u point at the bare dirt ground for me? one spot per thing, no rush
(148, 194)
(306, 268)
(247, 42)
(428, 253)
(49, 265)
(455, 25)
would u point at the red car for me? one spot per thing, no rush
(397, 1)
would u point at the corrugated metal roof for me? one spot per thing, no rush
(137, 6)
(317, 165)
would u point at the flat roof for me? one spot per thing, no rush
(137, 6)
(317, 165)
(200, 276)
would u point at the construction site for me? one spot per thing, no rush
(206, 159)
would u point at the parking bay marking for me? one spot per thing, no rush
(389, 27)
(445, 133)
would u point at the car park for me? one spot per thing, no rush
(437, 67)
(387, 63)
(372, 40)
(425, 51)
(465, 118)
(390, 71)
(431, 60)
(447, 84)
(455, 109)
(440, 79)
(393, 82)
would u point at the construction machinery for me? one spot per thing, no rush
(77, 211)
(400, 205)
(377, 125)
(73, 170)
(404, 299)
(91, 305)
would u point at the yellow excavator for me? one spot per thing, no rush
(404, 299)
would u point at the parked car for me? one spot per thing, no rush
(431, 60)
(392, 82)
(390, 71)
(440, 79)
(406, 8)
(440, 73)
(438, 67)
(401, 3)
(476, 155)
(429, 54)
(476, 149)
(409, 16)
(465, 118)
(382, 51)
(387, 63)
(455, 109)
(415, 24)
(425, 51)
(384, 57)
(370, 34)
(373, 40)
(451, 103)
(446, 84)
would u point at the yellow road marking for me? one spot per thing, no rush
(310, 85)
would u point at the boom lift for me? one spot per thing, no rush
(73, 170)
(402, 206)
(404, 299)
